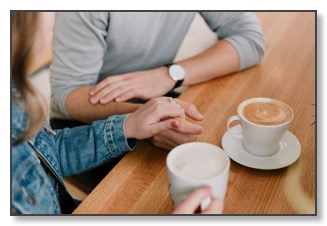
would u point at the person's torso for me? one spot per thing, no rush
(143, 40)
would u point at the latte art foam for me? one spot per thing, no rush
(267, 113)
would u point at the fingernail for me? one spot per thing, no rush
(117, 99)
(201, 117)
(93, 101)
(175, 124)
(207, 187)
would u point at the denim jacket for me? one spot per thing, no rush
(39, 165)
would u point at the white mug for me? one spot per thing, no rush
(264, 122)
(194, 165)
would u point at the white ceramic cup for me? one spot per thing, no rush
(187, 166)
(260, 139)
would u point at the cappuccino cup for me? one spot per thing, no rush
(194, 165)
(264, 122)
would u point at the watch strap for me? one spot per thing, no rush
(178, 83)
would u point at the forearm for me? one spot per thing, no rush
(219, 60)
(100, 142)
(79, 107)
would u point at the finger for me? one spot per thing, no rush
(123, 88)
(162, 143)
(162, 100)
(163, 139)
(193, 201)
(179, 138)
(188, 127)
(131, 93)
(106, 90)
(216, 207)
(166, 110)
(190, 110)
(163, 125)
(112, 79)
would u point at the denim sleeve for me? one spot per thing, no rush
(242, 30)
(86, 147)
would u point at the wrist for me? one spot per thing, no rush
(165, 80)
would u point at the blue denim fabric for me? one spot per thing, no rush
(36, 189)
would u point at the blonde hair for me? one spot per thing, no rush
(24, 29)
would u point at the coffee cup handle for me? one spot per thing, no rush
(229, 121)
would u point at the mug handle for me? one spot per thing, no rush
(230, 120)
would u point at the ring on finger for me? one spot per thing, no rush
(171, 100)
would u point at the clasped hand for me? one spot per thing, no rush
(161, 114)
(146, 85)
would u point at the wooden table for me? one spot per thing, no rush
(138, 184)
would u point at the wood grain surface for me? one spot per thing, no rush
(138, 184)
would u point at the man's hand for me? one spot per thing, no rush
(141, 84)
(168, 139)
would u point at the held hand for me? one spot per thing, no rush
(187, 132)
(157, 115)
(194, 200)
(142, 84)
(169, 139)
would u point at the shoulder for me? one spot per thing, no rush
(81, 23)
(82, 16)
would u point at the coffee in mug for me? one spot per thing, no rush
(267, 113)
(194, 165)
(264, 122)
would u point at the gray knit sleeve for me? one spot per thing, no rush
(242, 30)
(78, 49)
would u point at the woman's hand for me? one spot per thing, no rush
(141, 84)
(168, 139)
(194, 200)
(161, 114)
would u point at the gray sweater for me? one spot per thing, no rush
(89, 46)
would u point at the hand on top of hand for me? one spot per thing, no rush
(162, 114)
(141, 84)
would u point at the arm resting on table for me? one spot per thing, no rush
(79, 107)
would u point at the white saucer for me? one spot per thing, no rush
(290, 150)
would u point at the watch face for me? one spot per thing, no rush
(176, 72)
